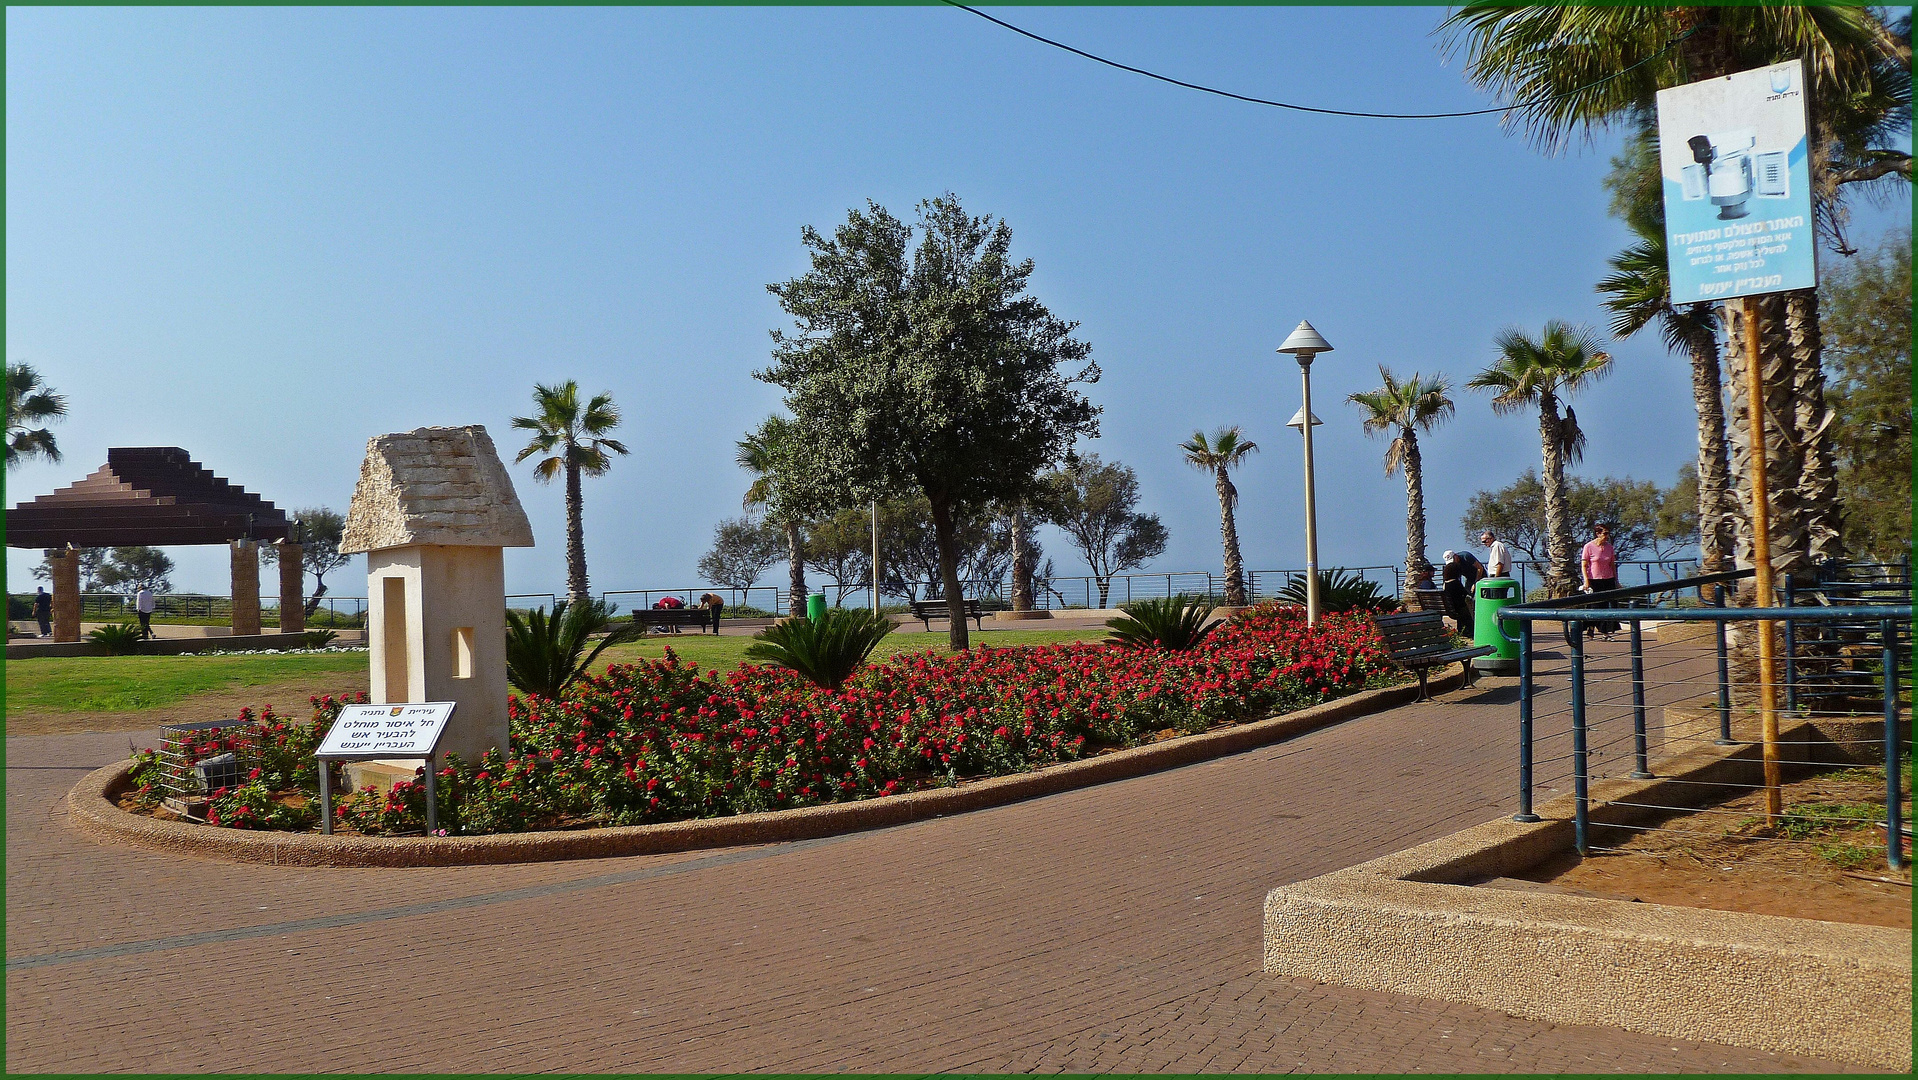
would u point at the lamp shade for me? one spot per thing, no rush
(1305, 342)
(1298, 420)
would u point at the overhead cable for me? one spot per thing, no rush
(1308, 108)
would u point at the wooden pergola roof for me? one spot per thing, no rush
(155, 495)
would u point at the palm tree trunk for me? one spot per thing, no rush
(1414, 506)
(1562, 574)
(944, 533)
(1229, 536)
(576, 590)
(1783, 461)
(1717, 523)
(796, 566)
(1022, 561)
(1812, 421)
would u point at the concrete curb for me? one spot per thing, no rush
(93, 811)
(1411, 923)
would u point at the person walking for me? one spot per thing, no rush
(1598, 565)
(1498, 557)
(143, 606)
(43, 611)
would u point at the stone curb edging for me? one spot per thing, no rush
(1410, 923)
(92, 808)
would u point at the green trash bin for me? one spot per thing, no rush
(1490, 595)
(816, 608)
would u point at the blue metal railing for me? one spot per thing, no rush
(1890, 623)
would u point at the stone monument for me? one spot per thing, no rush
(433, 512)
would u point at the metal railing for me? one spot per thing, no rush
(1588, 721)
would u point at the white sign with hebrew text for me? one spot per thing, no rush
(401, 731)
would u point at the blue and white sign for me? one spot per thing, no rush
(1738, 212)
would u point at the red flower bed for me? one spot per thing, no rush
(662, 741)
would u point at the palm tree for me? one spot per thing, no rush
(572, 437)
(1562, 361)
(1227, 447)
(1638, 293)
(29, 402)
(761, 453)
(1581, 68)
(1420, 403)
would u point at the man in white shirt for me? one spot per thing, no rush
(1498, 557)
(143, 605)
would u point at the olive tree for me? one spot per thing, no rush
(926, 368)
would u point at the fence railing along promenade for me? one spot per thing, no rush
(1845, 665)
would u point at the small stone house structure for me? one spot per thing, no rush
(434, 511)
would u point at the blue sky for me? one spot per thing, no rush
(268, 234)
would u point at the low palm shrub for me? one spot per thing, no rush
(1339, 590)
(544, 654)
(120, 639)
(319, 639)
(1174, 622)
(826, 652)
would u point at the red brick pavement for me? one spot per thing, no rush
(1112, 928)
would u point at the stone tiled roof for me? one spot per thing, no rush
(435, 485)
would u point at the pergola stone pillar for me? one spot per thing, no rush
(292, 581)
(246, 588)
(66, 594)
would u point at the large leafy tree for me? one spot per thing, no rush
(130, 569)
(1408, 407)
(1868, 338)
(317, 530)
(926, 368)
(572, 437)
(1572, 70)
(1096, 505)
(1542, 372)
(743, 548)
(1638, 294)
(1645, 518)
(1218, 455)
(31, 402)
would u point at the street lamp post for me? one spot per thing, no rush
(1305, 344)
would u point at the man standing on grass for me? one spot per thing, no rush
(143, 606)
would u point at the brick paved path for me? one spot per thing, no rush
(1113, 928)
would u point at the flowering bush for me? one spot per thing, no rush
(662, 741)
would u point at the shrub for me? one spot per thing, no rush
(826, 652)
(319, 639)
(1339, 590)
(252, 805)
(120, 639)
(1175, 622)
(543, 654)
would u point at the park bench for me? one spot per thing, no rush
(927, 610)
(672, 619)
(1419, 640)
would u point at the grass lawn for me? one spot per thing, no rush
(88, 684)
(123, 684)
(725, 653)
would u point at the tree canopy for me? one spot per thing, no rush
(925, 368)
(1867, 326)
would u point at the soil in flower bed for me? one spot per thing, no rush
(1827, 861)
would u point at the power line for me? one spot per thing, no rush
(1308, 108)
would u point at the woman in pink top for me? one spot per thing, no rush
(1598, 564)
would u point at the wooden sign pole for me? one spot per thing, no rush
(1761, 562)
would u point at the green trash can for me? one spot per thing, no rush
(1489, 596)
(816, 608)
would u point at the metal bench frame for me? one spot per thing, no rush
(927, 610)
(1419, 640)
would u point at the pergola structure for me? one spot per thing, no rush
(158, 496)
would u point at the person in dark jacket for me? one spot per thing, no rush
(43, 611)
(1461, 571)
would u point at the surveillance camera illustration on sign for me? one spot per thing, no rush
(1738, 214)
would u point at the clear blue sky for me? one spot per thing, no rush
(268, 234)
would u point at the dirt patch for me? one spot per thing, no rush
(1826, 862)
(287, 698)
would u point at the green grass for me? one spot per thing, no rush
(99, 684)
(726, 653)
(81, 684)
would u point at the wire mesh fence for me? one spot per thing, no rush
(1626, 687)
